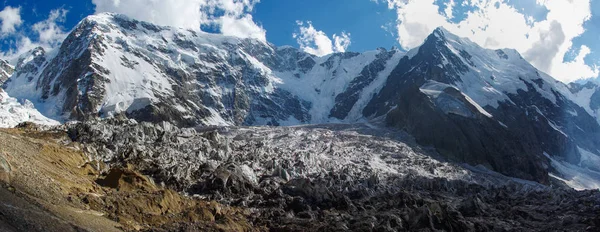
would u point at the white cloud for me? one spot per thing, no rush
(243, 27)
(21, 45)
(11, 19)
(231, 17)
(318, 43)
(48, 34)
(417, 19)
(449, 9)
(177, 13)
(496, 24)
(342, 42)
(577, 68)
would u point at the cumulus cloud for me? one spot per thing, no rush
(243, 27)
(230, 17)
(317, 42)
(50, 34)
(11, 19)
(577, 68)
(177, 13)
(47, 34)
(544, 50)
(341, 42)
(449, 9)
(497, 24)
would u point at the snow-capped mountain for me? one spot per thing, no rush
(486, 106)
(474, 105)
(112, 65)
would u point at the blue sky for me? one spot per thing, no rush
(362, 19)
(558, 37)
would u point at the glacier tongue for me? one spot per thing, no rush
(355, 156)
(332, 177)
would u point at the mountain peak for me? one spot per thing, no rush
(440, 39)
(104, 17)
(438, 36)
(441, 31)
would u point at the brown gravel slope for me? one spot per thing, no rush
(48, 184)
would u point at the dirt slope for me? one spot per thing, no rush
(48, 184)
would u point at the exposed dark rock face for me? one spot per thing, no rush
(595, 102)
(474, 141)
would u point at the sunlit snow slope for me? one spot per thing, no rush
(13, 112)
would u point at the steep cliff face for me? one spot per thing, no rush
(474, 105)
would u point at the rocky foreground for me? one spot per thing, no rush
(120, 175)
